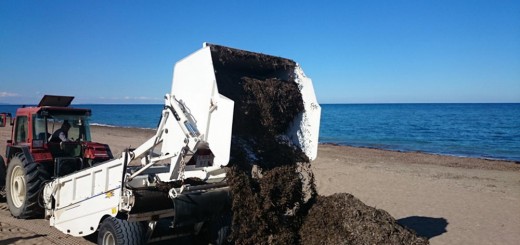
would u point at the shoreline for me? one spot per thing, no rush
(419, 157)
(424, 152)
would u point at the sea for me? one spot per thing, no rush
(488, 130)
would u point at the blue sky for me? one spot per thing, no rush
(355, 51)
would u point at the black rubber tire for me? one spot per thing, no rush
(34, 177)
(115, 231)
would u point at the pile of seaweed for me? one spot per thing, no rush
(344, 219)
(274, 197)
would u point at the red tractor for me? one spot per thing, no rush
(47, 141)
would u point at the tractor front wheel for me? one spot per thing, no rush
(23, 183)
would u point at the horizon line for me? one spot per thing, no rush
(327, 103)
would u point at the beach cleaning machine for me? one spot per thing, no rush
(178, 176)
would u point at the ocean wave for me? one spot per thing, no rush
(117, 126)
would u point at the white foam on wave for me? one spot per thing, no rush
(115, 126)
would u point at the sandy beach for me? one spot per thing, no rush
(450, 200)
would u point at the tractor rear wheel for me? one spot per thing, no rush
(115, 231)
(23, 184)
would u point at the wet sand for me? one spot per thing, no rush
(450, 200)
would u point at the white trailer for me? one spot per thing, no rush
(177, 175)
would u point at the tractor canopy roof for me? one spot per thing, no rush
(55, 105)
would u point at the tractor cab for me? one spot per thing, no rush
(57, 134)
(60, 132)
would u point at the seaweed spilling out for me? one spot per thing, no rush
(274, 197)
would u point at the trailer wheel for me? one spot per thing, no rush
(23, 184)
(114, 231)
(221, 228)
(216, 230)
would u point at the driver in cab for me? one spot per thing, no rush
(61, 135)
